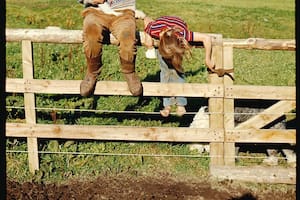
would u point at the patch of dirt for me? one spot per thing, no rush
(137, 188)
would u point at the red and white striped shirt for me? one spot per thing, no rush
(161, 23)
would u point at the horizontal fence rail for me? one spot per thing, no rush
(58, 35)
(115, 133)
(113, 88)
(222, 134)
(156, 134)
(154, 89)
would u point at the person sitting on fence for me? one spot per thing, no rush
(121, 24)
(174, 37)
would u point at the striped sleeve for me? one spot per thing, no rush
(161, 23)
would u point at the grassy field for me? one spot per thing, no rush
(233, 19)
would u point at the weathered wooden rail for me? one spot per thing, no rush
(221, 92)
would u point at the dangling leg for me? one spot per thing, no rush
(123, 28)
(87, 86)
(170, 75)
(181, 102)
(92, 43)
(165, 78)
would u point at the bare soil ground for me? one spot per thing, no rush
(124, 187)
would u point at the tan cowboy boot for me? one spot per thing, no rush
(87, 86)
(134, 83)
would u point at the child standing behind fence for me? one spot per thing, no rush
(174, 37)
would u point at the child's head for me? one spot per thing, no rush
(173, 47)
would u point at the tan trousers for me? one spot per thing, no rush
(122, 27)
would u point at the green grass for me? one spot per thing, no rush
(233, 19)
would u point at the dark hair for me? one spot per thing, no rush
(173, 47)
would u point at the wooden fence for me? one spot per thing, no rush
(221, 92)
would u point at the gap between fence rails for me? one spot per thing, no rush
(138, 112)
(145, 155)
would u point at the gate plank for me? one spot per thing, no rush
(259, 174)
(29, 104)
(268, 115)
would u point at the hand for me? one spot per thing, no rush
(210, 64)
(139, 14)
(98, 1)
(93, 2)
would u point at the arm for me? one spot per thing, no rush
(147, 39)
(206, 39)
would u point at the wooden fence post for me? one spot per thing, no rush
(215, 105)
(229, 147)
(29, 104)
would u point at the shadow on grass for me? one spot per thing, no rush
(247, 196)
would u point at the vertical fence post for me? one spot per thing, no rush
(215, 105)
(29, 104)
(229, 147)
